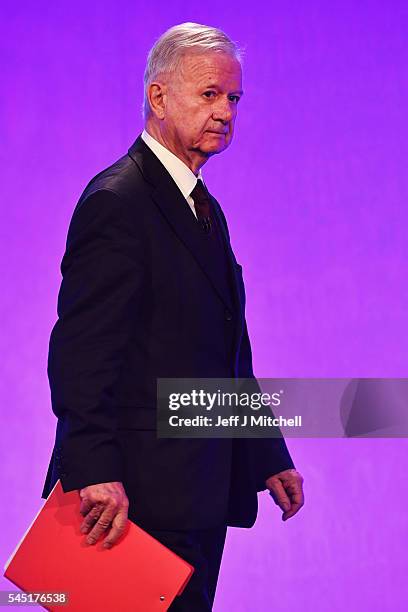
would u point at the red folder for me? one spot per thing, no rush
(137, 573)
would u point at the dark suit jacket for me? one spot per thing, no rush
(142, 298)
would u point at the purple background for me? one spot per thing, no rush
(315, 190)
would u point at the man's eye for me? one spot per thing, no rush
(209, 93)
(234, 99)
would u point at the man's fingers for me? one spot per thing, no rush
(279, 495)
(102, 524)
(294, 509)
(85, 506)
(118, 527)
(105, 506)
(92, 516)
(286, 488)
(296, 494)
(297, 501)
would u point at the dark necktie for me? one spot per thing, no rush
(202, 205)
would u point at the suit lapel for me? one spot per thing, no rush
(167, 196)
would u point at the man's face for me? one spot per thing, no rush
(201, 104)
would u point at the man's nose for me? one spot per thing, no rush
(223, 110)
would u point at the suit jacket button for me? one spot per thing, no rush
(228, 315)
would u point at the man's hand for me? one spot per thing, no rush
(286, 488)
(104, 506)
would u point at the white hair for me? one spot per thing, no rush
(168, 50)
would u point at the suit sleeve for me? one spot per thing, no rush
(102, 271)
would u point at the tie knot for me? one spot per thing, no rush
(199, 193)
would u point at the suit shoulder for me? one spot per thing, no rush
(123, 178)
(114, 195)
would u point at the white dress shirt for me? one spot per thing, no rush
(181, 174)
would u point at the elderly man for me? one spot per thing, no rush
(151, 289)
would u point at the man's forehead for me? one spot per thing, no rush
(209, 67)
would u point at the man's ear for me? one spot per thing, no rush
(157, 96)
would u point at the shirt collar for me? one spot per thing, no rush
(181, 174)
(184, 178)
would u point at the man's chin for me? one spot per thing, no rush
(209, 149)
